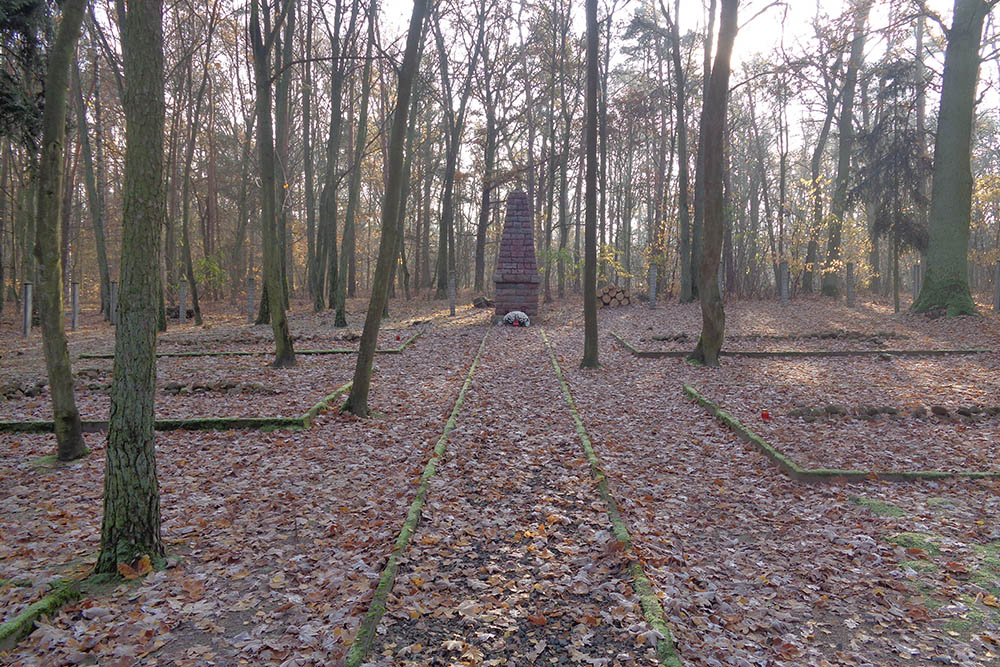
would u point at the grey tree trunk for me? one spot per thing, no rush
(455, 124)
(946, 282)
(49, 235)
(832, 281)
(683, 210)
(713, 318)
(354, 190)
(326, 232)
(590, 343)
(262, 40)
(131, 525)
(357, 400)
(699, 167)
(94, 198)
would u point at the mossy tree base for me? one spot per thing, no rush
(950, 298)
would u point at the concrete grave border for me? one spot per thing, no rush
(761, 354)
(194, 423)
(247, 353)
(652, 609)
(362, 643)
(800, 474)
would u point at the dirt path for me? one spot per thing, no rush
(514, 561)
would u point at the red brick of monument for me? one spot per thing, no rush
(516, 275)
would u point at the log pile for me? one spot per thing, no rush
(612, 295)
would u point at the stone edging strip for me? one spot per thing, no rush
(763, 354)
(247, 353)
(800, 474)
(652, 609)
(369, 623)
(21, 625)
(192, 424)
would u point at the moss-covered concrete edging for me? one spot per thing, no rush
(252, 353)
(369, 623)
(22, 625)
(652, 609)
(764, 354)
(194, 423)
(800, 474)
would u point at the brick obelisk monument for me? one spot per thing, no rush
(516, 275)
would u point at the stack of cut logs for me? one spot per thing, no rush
(612, 295)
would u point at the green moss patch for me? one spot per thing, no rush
(919, 565)
(877, 506)
(21, 625)
(923, 541)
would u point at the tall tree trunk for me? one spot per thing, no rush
(357, 400)
(946, 282)
(489, 162)
(131, 524)
(713, 318)
(4, 190)
(194, 121)
(282, 129)
(590, 343)
(262, 40)
(354, 189)
(683, 183)
(307, 156)
(327, 260)
(94, 198)
(832, 280)
(699, 168)
(49, 235)
(454, 126)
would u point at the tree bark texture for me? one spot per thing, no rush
(832, 280)
(590, 346)
(946, 282)
(49, 235)
(713, 318)
(131, 524)
(261, 43)
(357, 400)
(354, 190)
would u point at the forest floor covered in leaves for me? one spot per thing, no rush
(276, 540)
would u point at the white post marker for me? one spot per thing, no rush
(26, 293)
(850, 284)
(74, 300)
(996, 288)
(783, 280)
(182, 302)
(251, 301)
(652, 285)
(114, 303)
